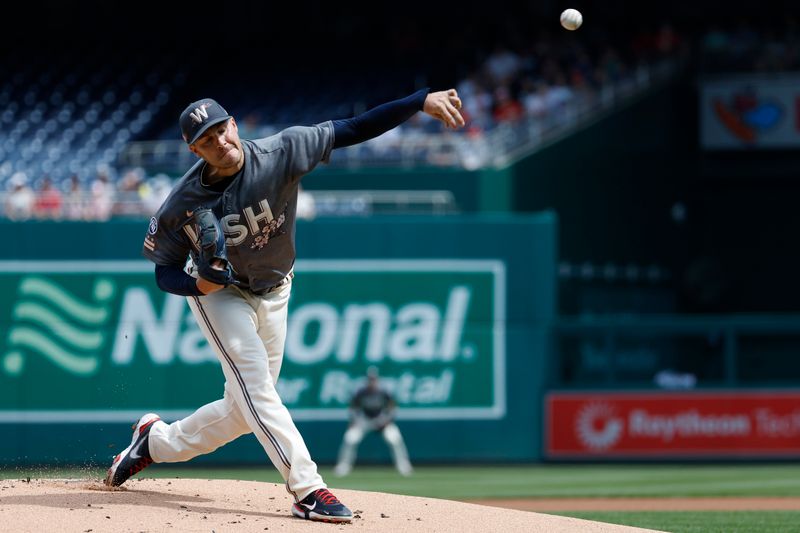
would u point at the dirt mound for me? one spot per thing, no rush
(157, 505)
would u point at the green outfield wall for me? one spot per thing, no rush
(455, 312)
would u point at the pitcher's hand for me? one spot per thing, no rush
(445, 105)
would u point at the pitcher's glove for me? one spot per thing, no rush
(212, 264)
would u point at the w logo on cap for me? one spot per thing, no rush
(200, 113)
(199, 116)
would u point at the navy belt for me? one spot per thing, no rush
(280, 284)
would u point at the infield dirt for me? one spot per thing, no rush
(198, 505)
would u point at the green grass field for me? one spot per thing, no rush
(547, 481)
(702, 521)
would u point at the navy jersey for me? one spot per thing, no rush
(256, 210)
(371, 402)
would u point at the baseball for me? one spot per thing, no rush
(571, 19)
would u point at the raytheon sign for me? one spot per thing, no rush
(665, 424)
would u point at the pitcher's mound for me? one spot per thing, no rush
(178, 505)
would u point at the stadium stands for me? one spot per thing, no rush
(748, 46)
(58, 120)
(85, 126)
(551, 85)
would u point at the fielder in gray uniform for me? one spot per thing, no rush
(251, 187)
(372, 408)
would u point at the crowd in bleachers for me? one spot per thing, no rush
(518, 78)
(64, 127)
(520, 81)
(539, 78)
(747, 46)
(101, 199)
(61, 120)
(134, 194)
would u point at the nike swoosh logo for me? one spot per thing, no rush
(135, 453)
(311, 507)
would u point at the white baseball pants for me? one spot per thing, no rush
(247, 333)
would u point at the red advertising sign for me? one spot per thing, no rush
(663, 424)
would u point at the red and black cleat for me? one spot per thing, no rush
(135, 457)
(323, 506)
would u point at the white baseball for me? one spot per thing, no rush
(571, 19)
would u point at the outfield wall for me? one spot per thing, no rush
(455, 311)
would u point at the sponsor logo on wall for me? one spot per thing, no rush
(591, 425)
(750, 112)
(51, 322)
(434, 328)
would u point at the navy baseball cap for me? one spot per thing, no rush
(199, 116)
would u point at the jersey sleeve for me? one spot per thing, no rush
(162, 246)
(306, 147)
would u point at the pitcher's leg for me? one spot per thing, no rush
(228, 322)
(273, 312)
(205, 430)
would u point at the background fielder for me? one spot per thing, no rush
(251, 189)
(372, 408)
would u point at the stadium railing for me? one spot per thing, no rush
(129, 204)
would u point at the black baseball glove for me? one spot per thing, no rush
(212, 264)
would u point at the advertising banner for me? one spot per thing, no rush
(584, 425)
(746, 112)
(97, 341)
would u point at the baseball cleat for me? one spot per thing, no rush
(405, 470)
(322, 506)
(135, 457)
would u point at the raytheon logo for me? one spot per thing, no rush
(598, 427)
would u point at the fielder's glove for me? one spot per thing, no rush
(212, 264)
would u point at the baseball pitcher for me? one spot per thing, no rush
(225, 239)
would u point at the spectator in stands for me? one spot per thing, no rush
(20, 199)
(581, 86)
(101, 200)
(154, 191)
(386, 145)
(249, 127)
(49, 201)
(506, 107)
(559, 94)
(74, 200)
(502, 65)
(128, 198)
(580, 69)
(749, 47)
(478, 102)
(611, 64)
(533, 97)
